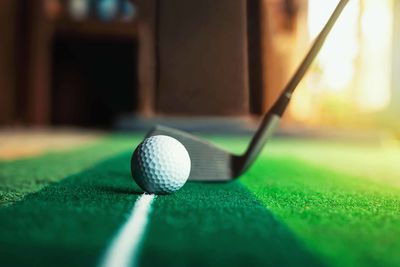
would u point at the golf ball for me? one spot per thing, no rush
(160, 165)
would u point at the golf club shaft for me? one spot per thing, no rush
(272, 117)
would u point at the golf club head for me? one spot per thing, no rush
(208, 162)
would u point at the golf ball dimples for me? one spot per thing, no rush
(160, 165)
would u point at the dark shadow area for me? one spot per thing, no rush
(220, 224)
(69, 223)
(94, 80)
(120, 190)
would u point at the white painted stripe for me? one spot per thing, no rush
(123, 250)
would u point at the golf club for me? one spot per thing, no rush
(211, 163)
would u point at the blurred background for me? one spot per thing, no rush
(127, 64)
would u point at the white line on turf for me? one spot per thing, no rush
(123, 250)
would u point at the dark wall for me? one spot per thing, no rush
(8, 10)
(202, 57)
(94, 80)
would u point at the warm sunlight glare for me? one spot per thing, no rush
(337, 58)
(352, 72)
(373, 92)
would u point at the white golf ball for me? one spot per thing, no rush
(160, 165)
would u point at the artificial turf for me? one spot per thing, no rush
(69, 223)
(23, 176)
(219, 225)
(292, 208)
(345, 219)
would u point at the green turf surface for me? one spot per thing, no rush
(23, 176)
(347, 220)
(219, 225)
(69, 223)
(343, 199)
(79, 215)
(297, 206)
